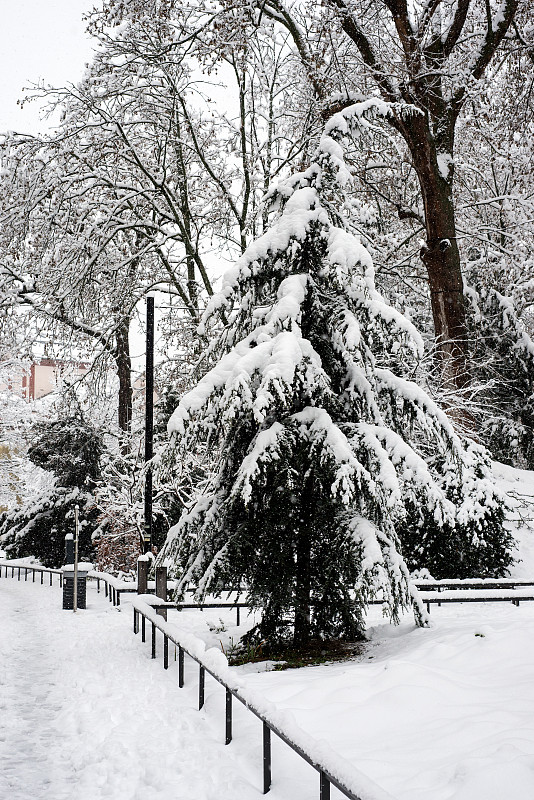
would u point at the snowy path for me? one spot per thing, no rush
(83, 705)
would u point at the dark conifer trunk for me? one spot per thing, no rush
(302, 631)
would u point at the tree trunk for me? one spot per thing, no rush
(301, 635)
(440, 255)
(419, 68)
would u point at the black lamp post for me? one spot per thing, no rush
(149, 422)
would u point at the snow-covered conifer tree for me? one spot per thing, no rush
(322, 436)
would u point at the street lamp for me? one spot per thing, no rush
(149, 422)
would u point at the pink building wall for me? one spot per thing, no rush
(43, 377)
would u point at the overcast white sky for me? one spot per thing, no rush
(41, 40)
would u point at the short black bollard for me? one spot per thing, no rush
(68, 586)
(142, 575)
(69, 549)
(161, 589)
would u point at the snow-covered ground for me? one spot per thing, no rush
(429, 714)
(86, 714)
(445, 713)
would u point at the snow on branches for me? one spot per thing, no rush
(326, 446)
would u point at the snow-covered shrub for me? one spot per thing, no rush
(70, 449)
(320, 434)
(473, 545)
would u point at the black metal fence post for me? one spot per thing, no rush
(324, 787)
(165, 652)
(153, 641)
(142, 577)
(180, 667)
(228, 717)
(201, 681)
(266, 758)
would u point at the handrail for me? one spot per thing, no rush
(114, 587)
(30, 568)
(486, 595)
(334, 773)
(432, 591)
(471, 583)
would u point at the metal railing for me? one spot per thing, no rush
(28, 568)
(471, 583)
(143, 612)
(432, 592)
(457, 595)
(114, 587)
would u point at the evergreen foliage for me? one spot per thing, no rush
(322, 435)
(476, 544)
(503, 362)
(70, 449)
